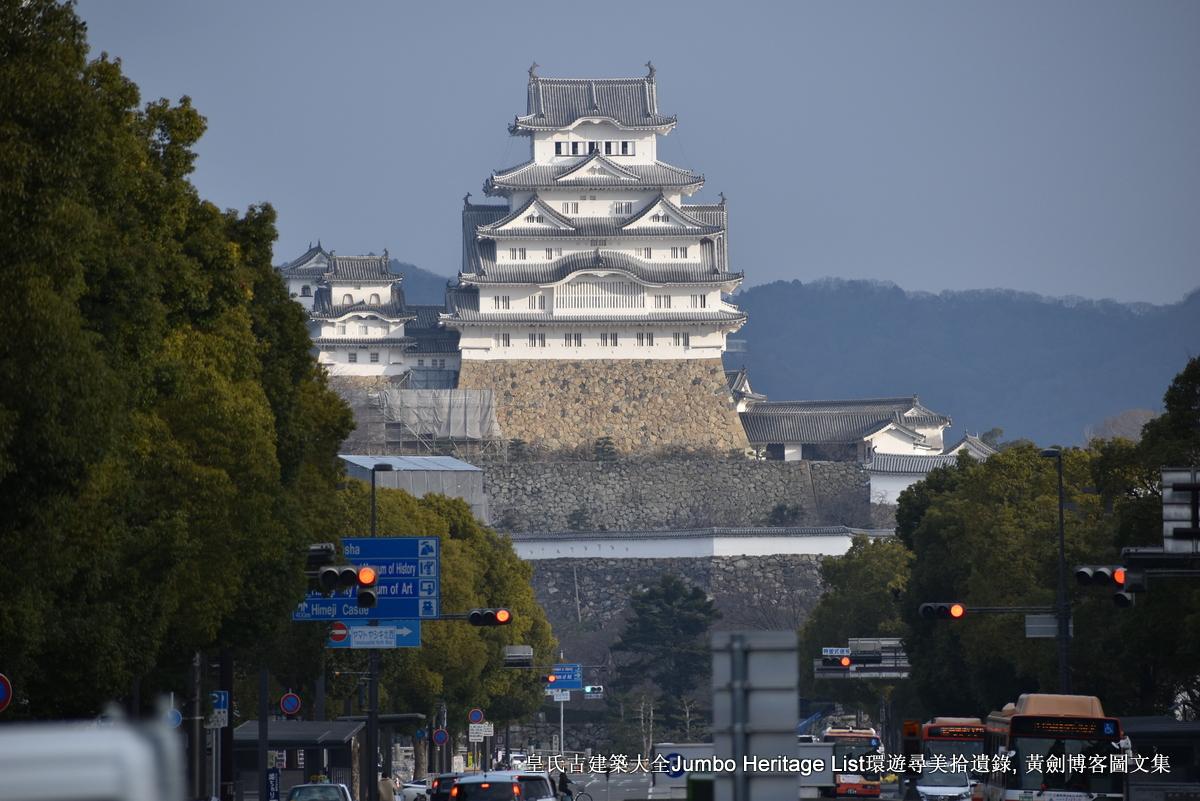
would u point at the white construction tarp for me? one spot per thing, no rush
(457, 414)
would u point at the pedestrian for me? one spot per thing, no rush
(564, 786)
(387, 788)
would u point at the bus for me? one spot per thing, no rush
(853, 745)
(949, 747)
(1039, 734)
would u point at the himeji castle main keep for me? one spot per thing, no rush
(592, 301)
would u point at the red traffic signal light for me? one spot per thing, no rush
(549, 678)
(948, 609)
(365, 578)
(490, 617)
(844, 661)
(1100, 575)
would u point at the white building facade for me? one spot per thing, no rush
(595, 254)
(356, 311)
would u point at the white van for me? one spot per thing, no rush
(90, 762)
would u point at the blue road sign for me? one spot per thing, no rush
(409, 584)
(475, 715)
(174, 718)
(388, 634)
(674, 765)
(440, 737)
(272, 784)
(419, 734)
(220, 700)
(568, 676)
(289, 704)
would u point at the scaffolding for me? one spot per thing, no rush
(449, 422)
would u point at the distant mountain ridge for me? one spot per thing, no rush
(1038, 367)
(420, 286)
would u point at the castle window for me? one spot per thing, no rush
(598, 243)
(623, 207)
(305, 291)
(628, 148)
(573, 340)
(646, 252)
(608, 340)
(570, 208)
(645, 339)
(679, 253)
(352, 358)
(682, 339)
(593, 147)
(500, 301)
(537, 340)
(560, 148)
(699, 301)
(441, 363)
(420, 362)
(662, 301)
(534, 218)
(502, 340)
(374, 358)
(608, 148)
(364, 329)
(341, 329)
(549, 253)
(537, 301)
(347, 300)
(516, 254)
(575, 148)
(374, 299)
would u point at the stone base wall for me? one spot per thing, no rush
(587, 600)
(676, 493)
(361, 394)
(643, 405)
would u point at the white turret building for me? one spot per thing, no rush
(356, 311)
(596, 254)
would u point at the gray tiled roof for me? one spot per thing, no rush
(536, 176)
(444, 341)
(814, 428)
(424, 316)
(391, 341)
(473, 216)
(359, 268)
(551, 271)
(974, 446)
(693, 533)
(313, 262)
(654, 317)
(909, 407)
(912, 464)
(559, 102)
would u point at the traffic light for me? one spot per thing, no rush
(366, 578)
(1132, 582)
(835, 661)
(548, 678)
(593, 689)
(490, 617)
(940, 611)
(1100, 575)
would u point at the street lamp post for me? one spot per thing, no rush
(1064, 608)
(373, 688)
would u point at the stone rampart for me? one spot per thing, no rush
(674, 493)
(642, 404)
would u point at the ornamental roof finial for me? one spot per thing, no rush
(533, 71)
(650, 66)
(466, 200)
(722, 194)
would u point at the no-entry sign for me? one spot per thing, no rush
(6, 692)
(339, 631)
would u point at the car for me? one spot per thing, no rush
(413, 791)
(323, 791)
(504, 785)
(440, 785)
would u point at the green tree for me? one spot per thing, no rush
(860, 600)
(164, 432)
(662, 652)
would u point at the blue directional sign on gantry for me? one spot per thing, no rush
(409, 586)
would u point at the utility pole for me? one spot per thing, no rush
(1063, 605)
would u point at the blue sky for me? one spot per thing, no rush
(1047, 147)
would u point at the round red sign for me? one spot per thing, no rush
(339, 631)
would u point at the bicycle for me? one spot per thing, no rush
(583, 796)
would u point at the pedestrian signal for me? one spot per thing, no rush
(942, 611)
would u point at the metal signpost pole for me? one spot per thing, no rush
(1064, 609)
(373, 690)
